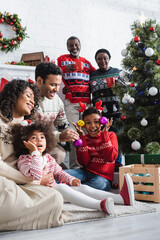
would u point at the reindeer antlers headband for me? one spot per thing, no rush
(83, 106)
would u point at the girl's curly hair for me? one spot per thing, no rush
(11, 93)
(22, 133)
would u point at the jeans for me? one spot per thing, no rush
(91, 179)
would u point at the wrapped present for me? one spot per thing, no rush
(142, 159)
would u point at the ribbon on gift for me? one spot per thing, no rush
(142, 158)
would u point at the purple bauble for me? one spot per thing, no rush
(78, 143)
(103, 120)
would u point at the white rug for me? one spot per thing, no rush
(85, 214)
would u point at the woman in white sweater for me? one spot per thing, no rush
(23, 206)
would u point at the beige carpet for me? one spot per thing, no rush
(85, 214)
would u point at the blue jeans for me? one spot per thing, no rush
(91, 179)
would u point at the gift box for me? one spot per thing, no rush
(146, 181)
(142, 159)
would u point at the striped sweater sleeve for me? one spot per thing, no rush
(31, 166)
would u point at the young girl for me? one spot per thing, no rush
(32, 144)
(97, 157)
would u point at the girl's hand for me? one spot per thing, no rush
(76, 182)
(30, 146)
(108, 125)
(47, 179)
(79, 129)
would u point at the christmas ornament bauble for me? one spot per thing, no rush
(151, 29)
(153, 91)
(123, 117)
(136, 38)
(158, 61)
(103, 120)
(124, 52)
(132, 85)
(124, 101)
(122, 74)
(149, 52)
(78, 143)
(134, 68)
(135, 145)
(144, 122)
(80, 123)
(127, 97)
(131, 100)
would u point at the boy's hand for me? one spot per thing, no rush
(79, 129)
(30, 146)
(76, 182)
(108, 125)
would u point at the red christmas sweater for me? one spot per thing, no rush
(98, 154)
(77, 82)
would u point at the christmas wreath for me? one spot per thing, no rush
(7, 45)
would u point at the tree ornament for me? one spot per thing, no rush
(134, 68)
(80, 123)
(127, 97)
(135, 145)
(153, 91)
(7, 45)
(122, 74)
(144, 122)
(78, 143)
(124, 101)
(124, 52)
(123, 117)
(103, 120)
(136, 39)
(131, 100)
(149, 52)
(158, 61)
(151, 29)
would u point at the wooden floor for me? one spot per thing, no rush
(136, 227)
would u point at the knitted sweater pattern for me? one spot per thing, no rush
(76, 82)
(98, 154)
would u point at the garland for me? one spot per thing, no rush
(7, 45)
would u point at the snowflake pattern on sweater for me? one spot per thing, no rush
(32, 166)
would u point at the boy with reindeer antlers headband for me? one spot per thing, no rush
(98, 151)
(97, 156)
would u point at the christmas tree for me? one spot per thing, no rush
(139, 125)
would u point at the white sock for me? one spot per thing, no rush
(99, 194)
(77, 197)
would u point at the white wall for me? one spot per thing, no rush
(98, 24)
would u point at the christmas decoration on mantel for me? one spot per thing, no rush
(140, 96)
(7, 45)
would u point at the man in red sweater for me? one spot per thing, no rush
(98, 152)
(76, 73)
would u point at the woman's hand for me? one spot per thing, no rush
(108, 125)
(76, 182)
(79, 129)
(47, 179)
(30, 146)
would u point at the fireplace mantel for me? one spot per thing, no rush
(10, 72)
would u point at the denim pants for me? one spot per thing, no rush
(91, 179)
